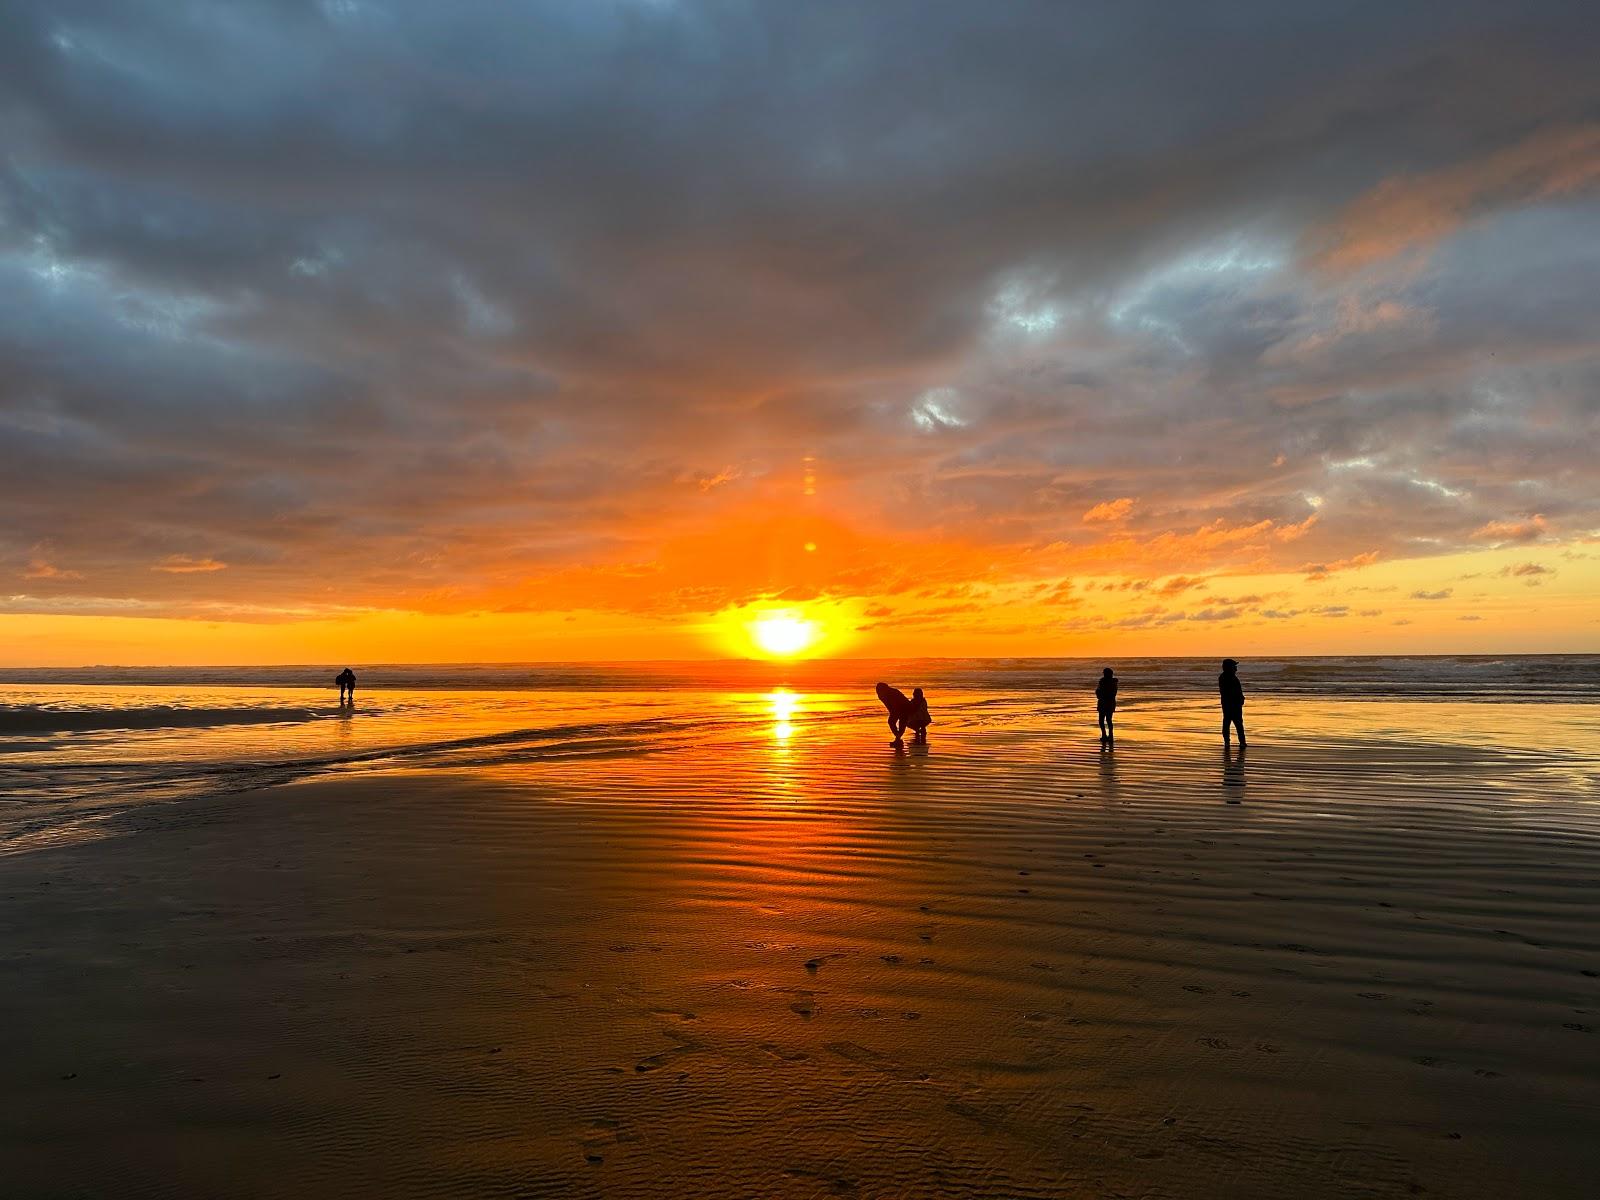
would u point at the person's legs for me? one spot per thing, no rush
(1101, 718)
(1111, 728)
(895, 727)
(1236, 719)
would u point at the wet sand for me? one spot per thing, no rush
(802, 964)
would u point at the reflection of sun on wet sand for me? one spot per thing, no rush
(786, 960)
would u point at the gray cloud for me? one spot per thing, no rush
(414, 303)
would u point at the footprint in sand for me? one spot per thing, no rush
(804, 1007)
(813, 964)
(1042, 966)
(1269, 1048)
(1373, 995)
(1198, 989)
(890, 958)
(779, 1052)
(1577, 1028)
(1215, 1043)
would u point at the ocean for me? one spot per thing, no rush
(82, 749)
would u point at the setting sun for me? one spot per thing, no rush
(783, 635)
(813, 629)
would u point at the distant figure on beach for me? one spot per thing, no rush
(346, 679)
(1232, 694)
(899, 708)
(1105, 705)
(917, 717)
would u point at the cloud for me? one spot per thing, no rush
(1407, 211)
(1109, 510)
(183, 564)
(1319, 571)
(1529, 530)
(1216, 614)
(618, 307)
(1441, 594)
(1524, 569)
(41, 568)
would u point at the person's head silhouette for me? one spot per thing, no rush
(1106, 673)
(1229, 665)
(916, 693)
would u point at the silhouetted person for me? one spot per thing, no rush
(1232, 694)
(899, 708)
(346, 679)
(1105, 704)
(917, 717)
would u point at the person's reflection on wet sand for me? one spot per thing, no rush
(1108, 772)
(1233, 772)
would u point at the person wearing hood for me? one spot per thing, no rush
(1232, 693)
(1105, 705)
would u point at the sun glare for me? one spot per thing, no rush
(782, 635)
(778, 632)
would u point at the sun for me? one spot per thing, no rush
(764, 630)
(783, 635)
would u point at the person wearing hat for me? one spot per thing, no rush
(1105, 705)
(1232, 693)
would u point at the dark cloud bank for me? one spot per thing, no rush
(413, 303)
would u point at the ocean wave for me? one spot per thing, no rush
(1569, 677)
(41, 719)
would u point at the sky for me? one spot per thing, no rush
(491, 331)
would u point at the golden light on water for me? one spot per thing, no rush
(784, 705)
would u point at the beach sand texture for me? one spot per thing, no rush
(785, 960)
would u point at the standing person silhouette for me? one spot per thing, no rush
(1105, 705)
(1232, 694)
(346, 679)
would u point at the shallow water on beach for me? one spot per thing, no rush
(75, 757)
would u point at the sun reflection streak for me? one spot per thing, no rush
(784, 706)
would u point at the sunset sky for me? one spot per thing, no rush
(380, 331)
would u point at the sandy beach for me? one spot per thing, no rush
(787, 960)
